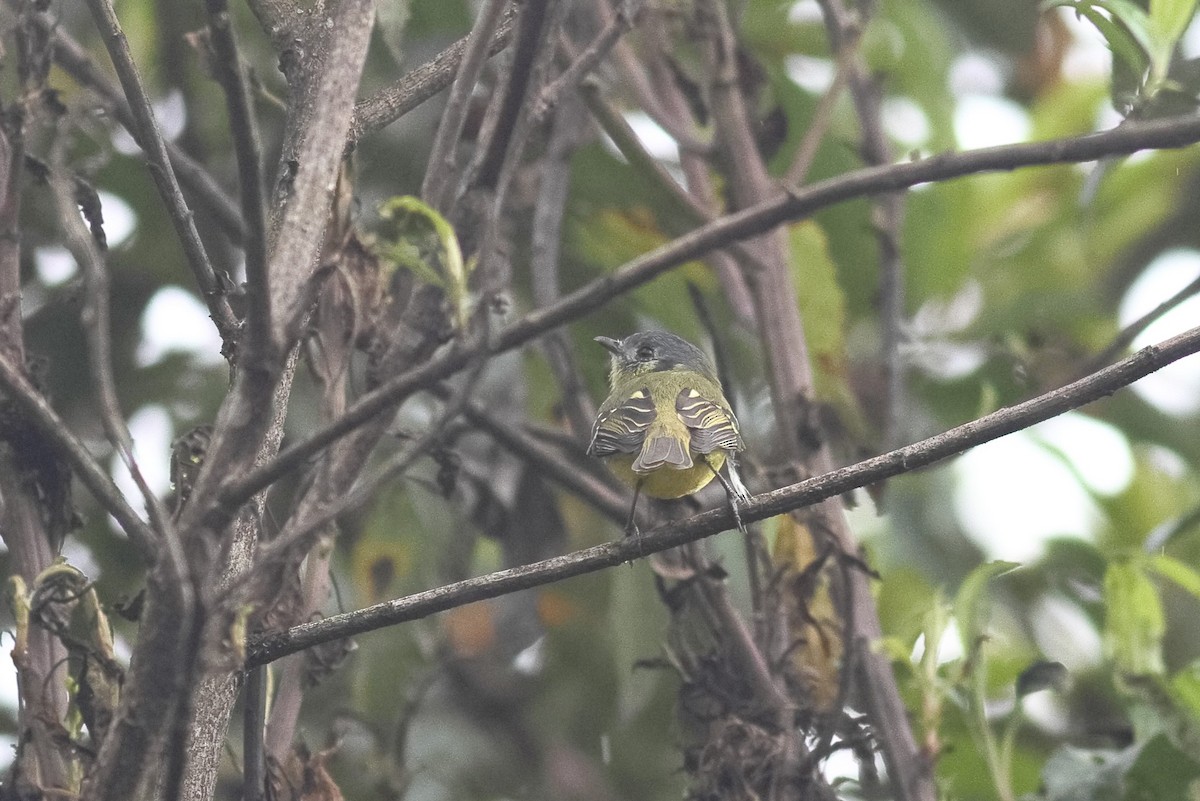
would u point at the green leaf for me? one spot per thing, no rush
(1172, 17)
(1161, 772)
(1127, 31)
(1134, 622)
(1185, 690)
(970, 604)
(414, 235)
(1176, 572)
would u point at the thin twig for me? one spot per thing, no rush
(254, 717)
(1129, 333)
(275, 645)
(844, 28)
(231, 74)
(97, 322)
(390, 104)
(532, 51)
(1167, 133)
(442, 169)
(583, 64)
(150, 138)
(368, 488)
(649, 90)
(551, 463)
(76, 62)
(822, 117)
(55, 429)
(683, 202)
(569, 128)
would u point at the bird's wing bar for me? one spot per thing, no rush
(712, 426)
(623, 428)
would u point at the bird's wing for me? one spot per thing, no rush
(711, 424)
(622, 429)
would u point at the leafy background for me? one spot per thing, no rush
(1014, 284)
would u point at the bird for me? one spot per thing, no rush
(666, 427)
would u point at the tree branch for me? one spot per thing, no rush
(272, 646)
(55, 429)
(1169, 133)
(230, 73)
(149, 137)
(390, 104)
(442, 169)
(97, 323)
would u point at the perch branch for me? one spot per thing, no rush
(1169, 133)
(275, 645)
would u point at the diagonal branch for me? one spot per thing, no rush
(39, 412)
(97, 322)
(231, 74)
(1168, 133)
(275, 645)
(390, 104)
(150, 138)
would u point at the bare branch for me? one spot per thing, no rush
(275, 645)
(320, 126)
(1168, 133)
(55, 429)
(97, 322)
(230, 73)
(443, 169)
(844, 33)
(392, 103)
(150, 138)
(1126, 335)
(586, 61)
(74, 60)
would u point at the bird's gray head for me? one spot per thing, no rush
(654, 351)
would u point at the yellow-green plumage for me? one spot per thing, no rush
(666, 427)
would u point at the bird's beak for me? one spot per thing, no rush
(613, 346)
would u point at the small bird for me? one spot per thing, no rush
(666, 428)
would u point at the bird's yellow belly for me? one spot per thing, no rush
(668, 482)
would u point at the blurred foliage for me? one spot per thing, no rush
(552, 693)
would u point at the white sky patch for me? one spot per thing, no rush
(175, 321)
(905, 121)
(1063, 633)
(1097, 451)
(974, 73)
(658, 143)
(1175, 389)
(152, 432)
(171, 112)
(932, 347)
(1189, 44)
(119, 218)
(804, 12)
(949, 649)
(813, 75)
(80, 557)
(1088, 56)
(1012, 495)
(54, 264)
(988, 120)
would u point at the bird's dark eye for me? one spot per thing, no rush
(645, 353)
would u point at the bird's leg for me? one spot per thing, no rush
(735, 490)
(631, 527)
